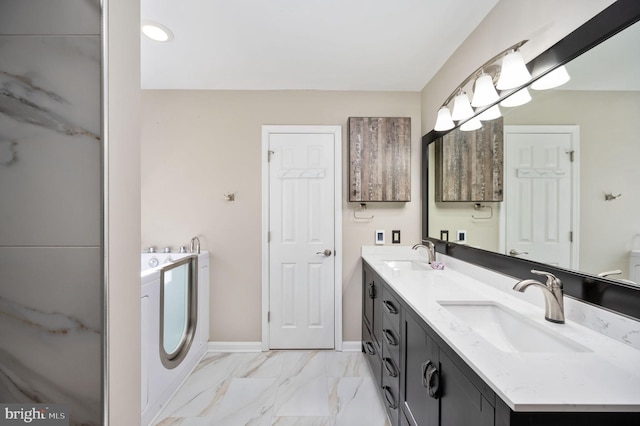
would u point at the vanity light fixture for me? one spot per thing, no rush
(444, 121)
(484, 94)
(492, 75)
(473, 124)
(555, 78)
(156, 31)
(490, 114)
(514, 71)
(521, 97)
(461, 107)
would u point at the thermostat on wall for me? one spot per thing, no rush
(379, 237)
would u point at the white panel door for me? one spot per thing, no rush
(301, 246)
(538, 196)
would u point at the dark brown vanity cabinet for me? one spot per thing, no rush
(372, 321)
(423, 382)
(419, 383)
(436, 390)
(381, 339)
(391, 340)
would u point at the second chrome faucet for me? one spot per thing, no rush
(553, 295)
(431, 249)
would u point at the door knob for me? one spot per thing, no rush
(327, 252)
(512, 252)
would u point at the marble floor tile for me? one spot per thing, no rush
(301, 421)
(303, 396)
(352, 401)
(346, 364)
(246, 402)
(314, 388)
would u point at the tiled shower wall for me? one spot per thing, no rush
(50, 205)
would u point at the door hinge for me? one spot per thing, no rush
(268, 236)
(571, 155)
(570, 236)
(269, 154)
(269, 316)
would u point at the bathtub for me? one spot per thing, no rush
(172, 343)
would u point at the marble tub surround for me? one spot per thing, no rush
(278, 388)
(603, 378)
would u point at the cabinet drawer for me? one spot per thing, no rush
(391, 397)
(390, 341)
(372, 354)
(391, 309)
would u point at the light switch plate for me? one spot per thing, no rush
(395, 236)
(461, 235)
(380, 237)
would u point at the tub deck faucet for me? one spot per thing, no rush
(553, 295)
(431, 249)
(195, 245)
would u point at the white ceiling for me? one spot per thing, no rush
(378, 45)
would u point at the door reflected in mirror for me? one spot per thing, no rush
(564, 152)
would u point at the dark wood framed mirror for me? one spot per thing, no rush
(584, 285)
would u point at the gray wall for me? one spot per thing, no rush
(50, 205)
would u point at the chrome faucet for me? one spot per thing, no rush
(553, 296)
(431, 249)
(195, 245)
(607, 273)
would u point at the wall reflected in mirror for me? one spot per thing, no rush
(599, 108)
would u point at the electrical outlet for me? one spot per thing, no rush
(395, 237)
(461, 235)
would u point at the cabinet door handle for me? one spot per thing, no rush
(431, 379)
(372, 291)
(390, 308)
(388, 395)
(389, 337)
(371, 350)
(391, 369)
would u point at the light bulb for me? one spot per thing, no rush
(461, 107)
(514, 72)
(473, 124)
(555, 78)
(444, 121)
(490, 114)
(521, 97)
(484, 93)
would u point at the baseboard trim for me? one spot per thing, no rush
(234, 347)
(352, 346)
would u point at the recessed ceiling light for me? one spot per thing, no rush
(155, 31)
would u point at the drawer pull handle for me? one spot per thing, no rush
(391, 402)
(391, 369)
(371, 350)
(431, 379)
(389, 337)
(372, 291)
(390, 308)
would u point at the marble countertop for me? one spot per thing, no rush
(606, 377)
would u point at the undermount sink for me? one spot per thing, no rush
(407, 265)
(507, 330)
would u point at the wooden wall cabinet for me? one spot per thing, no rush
(379, 159)
(469, 165)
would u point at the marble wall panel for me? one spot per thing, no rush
(50, 328)
(51, 285)
(50, 147)
(49, 17)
